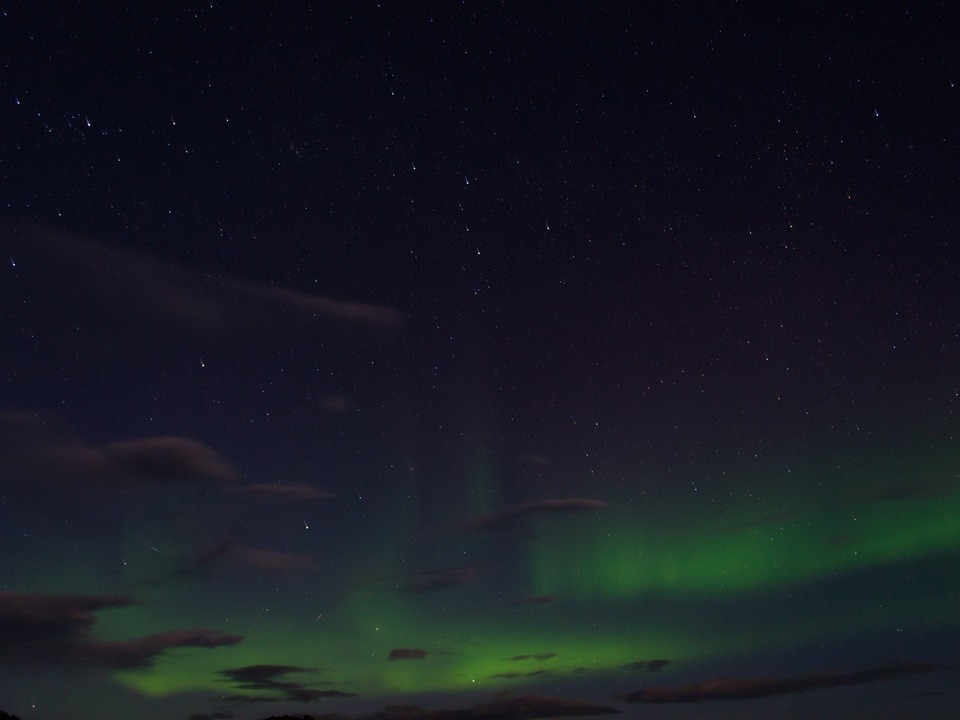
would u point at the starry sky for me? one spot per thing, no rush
(479, 359)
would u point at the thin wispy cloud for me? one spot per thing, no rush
(516, 674)
(271, 560)
(407, 654)
(160, 291)
(741, 689)
(535, 656)
(429, 581)
(294, 492)
(29, 454)
(229, 553)
(335, 404)
(647, 666)
(512, 515)
(535, 460)
(532, 601)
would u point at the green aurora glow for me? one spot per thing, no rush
(641, 585)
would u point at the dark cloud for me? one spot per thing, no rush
(274, 679)
(407, 654)
(283, 491)
(262, 673)
(44, 630)
(141, 652)
(647, 666)
(434, 580)
(158, 459)
(530, 707)
(537, 656)
(255, 699)
(28, 454)
(512, 515)
(308, 695)
(513, 674)
(211, 716)
(33, 617)
(156, 290)
(394, 710)
(728, 689)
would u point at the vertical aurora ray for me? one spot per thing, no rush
(824, 522)
(633, 556)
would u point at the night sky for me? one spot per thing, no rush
(513, 360)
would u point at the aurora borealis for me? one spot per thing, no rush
(472, 361)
